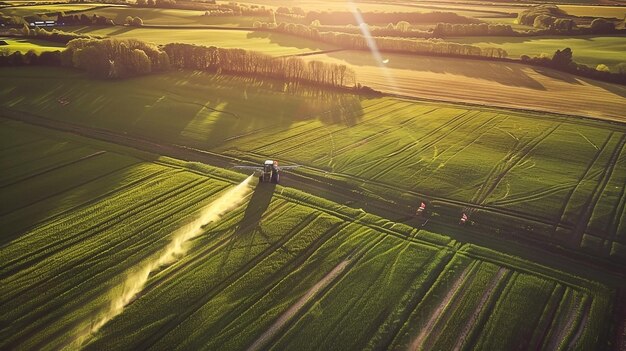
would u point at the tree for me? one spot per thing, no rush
(403, 26)
(600, 25)
(603, 68)
(141, 2)
(137, 22)
(562, 59)
(621, 68)
(129, 20)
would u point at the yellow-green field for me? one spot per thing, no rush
(595, 11)
(483, 82)
(25, 45)
(270, 43)
(48, 9)
(588, 50)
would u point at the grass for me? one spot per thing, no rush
(25, 45)
(595, 11)
(52, 9)
(588, 50)
(499, 166)
(270, 43)
(152, 16)
(248, 268)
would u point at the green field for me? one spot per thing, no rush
(282, 270)
(270, 43)
(511, 171)
(174, 17)
(595, 11)
(48, 9)
(25, 45)
(587, 50)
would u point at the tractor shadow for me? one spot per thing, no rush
(249, 226)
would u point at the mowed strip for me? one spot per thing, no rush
(485, 83)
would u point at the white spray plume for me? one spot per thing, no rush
(177, 248)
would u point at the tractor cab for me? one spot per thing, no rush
(270, 172)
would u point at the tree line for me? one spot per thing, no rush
(389, 44)
(252, 63)
(550, 19)
(346, 17)
(442, 30)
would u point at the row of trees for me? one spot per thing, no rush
(55, 35)
(114, 58)
(46, 58)
(391, 44)
(252, 63)
(448, 30)
(549, 19)
(73, 20)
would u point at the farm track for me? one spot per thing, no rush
(515, 157)
(563, 327)
(433, 275)
(617, 212)
(353, 258)
(472, 322)
(29, 161)
(582, 179)
(337, 192)
(296, 307)
(547, 316)
(582, 324)
(592, 201)
(229, 322)
(420, 341)
(225, 282)
(454, 123)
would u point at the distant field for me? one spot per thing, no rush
(484, 82)
(587, 50)
(269, 43)
(283, 270)
(52, 8)
(512, 171)
(24, 45)
(595, 11)
(174, 17)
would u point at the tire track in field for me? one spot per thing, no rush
(58, 218)
(566, 326)
(582, 179)
(322, 136)
(582, 324)
(471, 323)
(454, 123)
(592, 200)
(513, 160)
(372, 109)
(115, 218)
(59, 152)
(617, 212)
(53, 168)
(162, 219)
(228, 322)
(544, 327)
(353, 258)
(418, 342)
(42, 314)
(221, 285)
(296, 307)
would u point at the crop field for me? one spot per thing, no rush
(48, 9)
(25, 45)
(174, 17)
(486, 83)
(281, 270)
(497, 165)
(596, 11)
(270, 43)
(587, 50)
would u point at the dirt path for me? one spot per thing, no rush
(471, 322)
(418, 342)
(287, 315)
